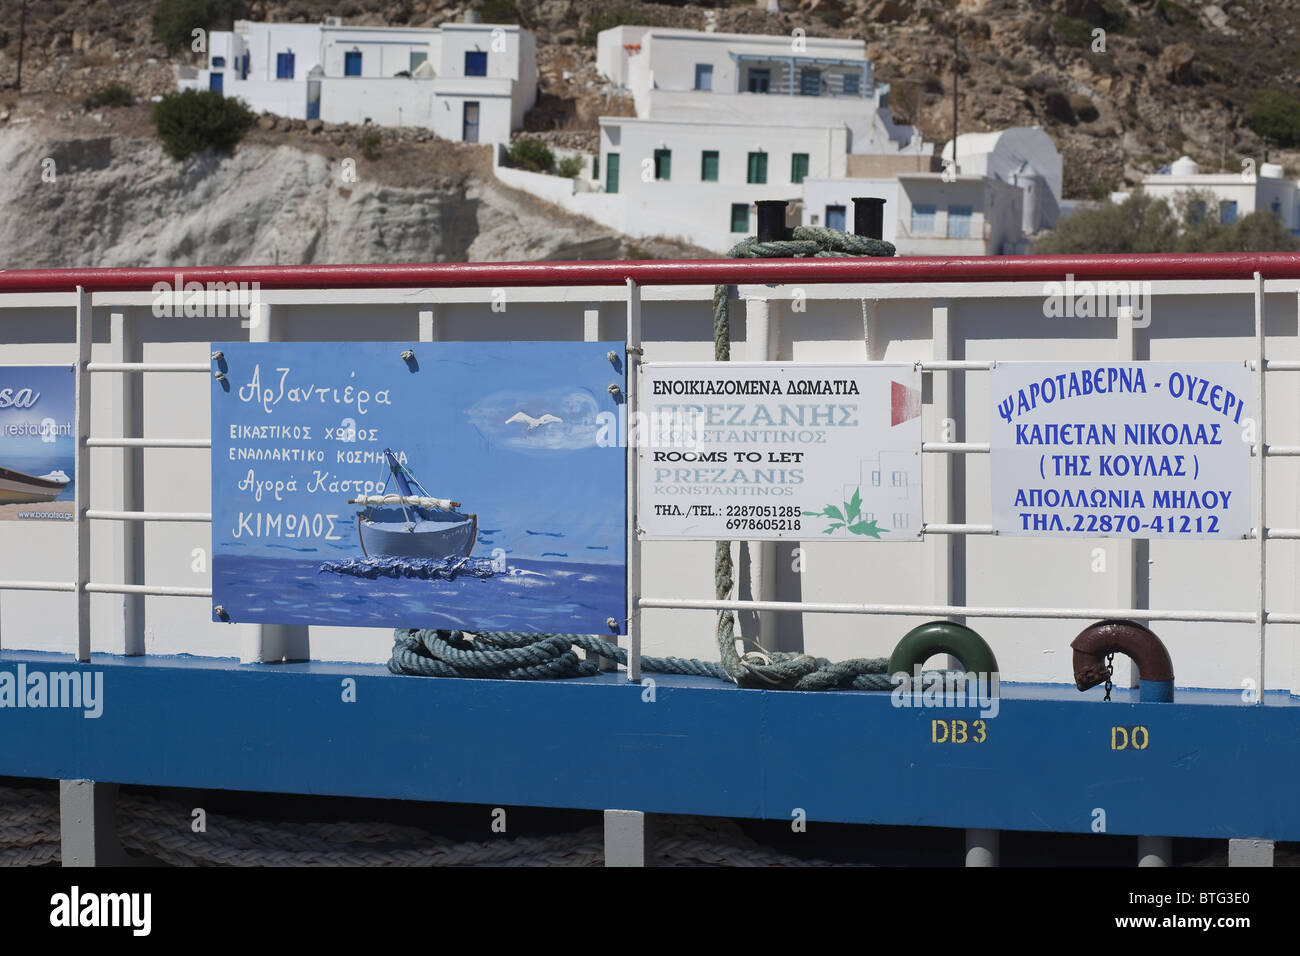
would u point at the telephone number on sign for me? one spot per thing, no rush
(1120, 524)
(762, 524)
(762, 511)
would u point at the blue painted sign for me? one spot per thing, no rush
(37, 442)
(463, 485)
(1131, 450)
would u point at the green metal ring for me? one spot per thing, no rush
(943, 637)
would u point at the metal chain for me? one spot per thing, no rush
(1110, 670)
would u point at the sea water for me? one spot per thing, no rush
(533, 595)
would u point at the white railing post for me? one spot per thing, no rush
(1261, 485)
(948, 505)
(632, 371)
(591, 332)
(1295, 653)
(81, 474)
(124, 347)
(429, 331)
(1130, 553)
(760, 346)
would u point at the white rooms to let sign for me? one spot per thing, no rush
(764, 450)
(1135, 450)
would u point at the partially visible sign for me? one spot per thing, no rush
(1132, 450)
(37, 443)
(767, 450)
(415, 484)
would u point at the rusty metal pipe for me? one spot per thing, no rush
(1096, 641)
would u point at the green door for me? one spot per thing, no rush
(611, 172)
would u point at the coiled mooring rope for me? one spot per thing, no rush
(517, 655)
(523, 656)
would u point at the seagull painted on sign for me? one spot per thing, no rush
(533, 422)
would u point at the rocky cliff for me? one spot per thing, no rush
(97, 190)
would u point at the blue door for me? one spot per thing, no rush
(469, 127)
(835, 217)
(216, 81)
(352, 63)
(313, 99)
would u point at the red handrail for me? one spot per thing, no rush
(1223, 265)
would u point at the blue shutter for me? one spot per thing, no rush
(959, 222)
(922, 220)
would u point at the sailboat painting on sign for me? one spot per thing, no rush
(406, 525)
(464, 485)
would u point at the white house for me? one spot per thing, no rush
(927, 213)
(1023, 156)
(465, 81)
(1237, 194)
(725, 119)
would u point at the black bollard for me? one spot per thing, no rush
(771, 220)
(869, 217)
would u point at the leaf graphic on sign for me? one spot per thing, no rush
(848, 518)
(830, 512)
(868, 528)
(853, 507)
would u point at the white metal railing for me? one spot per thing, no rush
(1259, 615)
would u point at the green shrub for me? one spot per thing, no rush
(570, 167)
(115, 94)
(617, 17)
(1276, 116)
(174, 21)
(1073, 31)
(370, 144)
(1140, 223)
(197, 120)
(532, 155)
(1143, 223)
(499, 11)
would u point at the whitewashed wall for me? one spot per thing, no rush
(689, 208)
(1190, 320)
(395, 101)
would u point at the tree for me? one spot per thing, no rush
(1276, 116)
(1143, 223)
